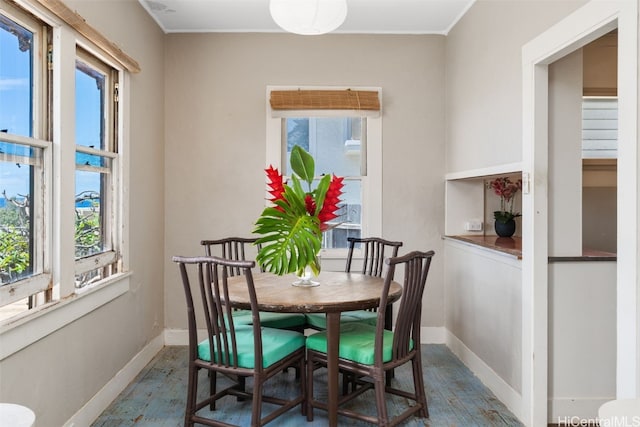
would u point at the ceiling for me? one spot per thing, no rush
(252, 16)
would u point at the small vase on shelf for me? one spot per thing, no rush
(506, 189)
(505, 229)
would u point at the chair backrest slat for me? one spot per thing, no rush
(233, 248)
(375, 250)
(407, 326)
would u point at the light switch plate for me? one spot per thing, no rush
(473, 225)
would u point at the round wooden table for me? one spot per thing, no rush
(337, 292)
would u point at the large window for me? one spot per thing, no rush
(24, 150)
(95, 89)
(60, 225)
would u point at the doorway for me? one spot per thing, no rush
(590, 22)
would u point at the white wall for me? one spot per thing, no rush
(565, 156)
(484, 129)
(582, 339)
(484, 82)
(484, 307)
(57, 375)
(215, 126)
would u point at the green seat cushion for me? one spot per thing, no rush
(368, 317)
(319, 320)
(241, 317)
(271, 320)
(276, 345)
(357, 342)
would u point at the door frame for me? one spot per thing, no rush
(588, 23)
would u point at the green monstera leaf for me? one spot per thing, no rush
(291, 237)
(291, 230)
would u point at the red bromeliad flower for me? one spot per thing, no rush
(331, 200)
(276, 183)
(292, 229)
(310, 203)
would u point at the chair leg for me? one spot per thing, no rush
(192, 390)
(302, 377)
(418, 381)
(309, 392)
(242, 387)
(256, 403)
(346, 380)
(381, 404)
(212, 388)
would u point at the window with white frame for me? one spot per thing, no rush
(343, 142)
(25, 159)
(96, 89)
(55, 242)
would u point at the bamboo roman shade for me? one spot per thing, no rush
(78, 23)
(325, 100)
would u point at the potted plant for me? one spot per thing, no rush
(292, 227)
(505, 224)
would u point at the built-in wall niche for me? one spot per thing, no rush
(469, 207)
(468, 202)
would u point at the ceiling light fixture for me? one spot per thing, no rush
(308, 17)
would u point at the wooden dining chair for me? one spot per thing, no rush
(237, 248)
(235, 350)
(374, 251)
(367, 352)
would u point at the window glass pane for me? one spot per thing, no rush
(89, 213)
(349, 221)
(336, 146)
(20, 175)
(92, 170)
(334, 142)
(90, 101)
(94, 276)
(84, 159)
(16, 77)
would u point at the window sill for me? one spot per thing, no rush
(19, 332)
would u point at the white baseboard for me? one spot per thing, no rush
(570, 411)
(98, 403)
(503, 391)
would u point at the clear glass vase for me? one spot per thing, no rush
(305, 279)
